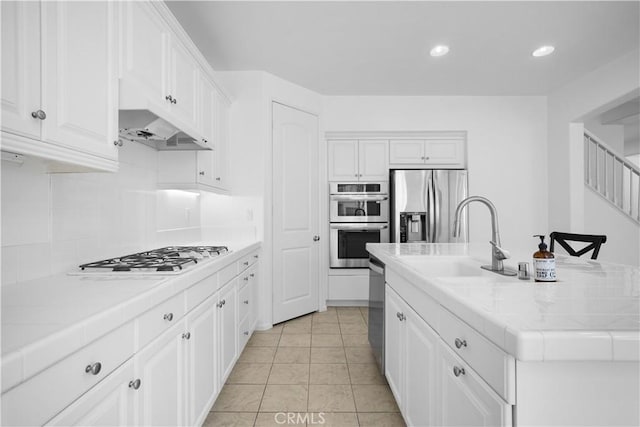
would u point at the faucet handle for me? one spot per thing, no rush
(499, 252)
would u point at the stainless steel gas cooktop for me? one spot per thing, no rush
(167, 260)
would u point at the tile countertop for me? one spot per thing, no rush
(591, 313)
(45, 320)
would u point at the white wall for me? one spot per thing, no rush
(252, 93)
(568, 108)
(51, 223)
(506, 151)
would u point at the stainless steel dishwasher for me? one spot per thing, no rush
(376, 310)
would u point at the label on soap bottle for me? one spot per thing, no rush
(544, 269)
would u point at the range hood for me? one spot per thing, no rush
(148, 128)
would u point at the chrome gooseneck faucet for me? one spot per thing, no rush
(497, 253)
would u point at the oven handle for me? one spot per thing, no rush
(343, 198)
(359, 227)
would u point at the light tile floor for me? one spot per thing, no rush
(317, 369)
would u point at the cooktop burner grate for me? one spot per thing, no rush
(167, 259)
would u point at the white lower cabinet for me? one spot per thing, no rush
(466, 399)
(227, 330)
(432, 385)
(110, 403)
(410, 352)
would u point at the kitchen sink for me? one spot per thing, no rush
(438, 266)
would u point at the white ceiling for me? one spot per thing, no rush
(381, 48)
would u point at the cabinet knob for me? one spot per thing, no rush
(204, 140)
(174, 101)
(169, 98)
(135, 384)
(223, 302)
(245, 263)
(426, 158)
(252, 275)
(246, 301)
(316, 238)
(168, 317)
(255, 256)
(186, 335)
(246, 278)
(219, 305)
(356, 175)
(460, 343)
(201, 173)
(39, 114)
(400, 316)
(458, 371)
(93, 369)
(246, 332)
(218, 179)
(117, 143)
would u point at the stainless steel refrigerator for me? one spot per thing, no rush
(423, 203)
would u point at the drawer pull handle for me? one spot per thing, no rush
(168, 317)
(460, 343)
(246, 301)
(135, 384)
(93, 369)
(186, 335)
(458, 371)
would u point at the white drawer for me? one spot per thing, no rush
(41, 397)
(226, 274)
(160, 318)
(201, 291)
(245, 333)
(245, 303)
(248, 260)
(495, 366)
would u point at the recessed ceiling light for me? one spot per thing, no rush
(439, 50)
(543, 51)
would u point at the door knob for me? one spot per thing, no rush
(39, 114)
(316, 238)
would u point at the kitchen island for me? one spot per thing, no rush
(468, 346)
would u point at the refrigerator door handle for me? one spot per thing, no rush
(437, 209)
(431, 206)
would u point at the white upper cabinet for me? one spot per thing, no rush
(183, 83)
(158, 70)
(444, 153)
(143, 57)
(21, 67)
(358, 160)
(59, 82)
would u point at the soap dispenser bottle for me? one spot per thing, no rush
(544, 263)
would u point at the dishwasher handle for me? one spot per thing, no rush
(376, 266)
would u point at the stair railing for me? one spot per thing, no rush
(611, 176)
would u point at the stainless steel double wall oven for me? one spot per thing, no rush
(359, 214)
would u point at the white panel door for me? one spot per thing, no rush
(296, 254)
(21, 67)
(373, 160)
(343, 161)
(79, 76)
